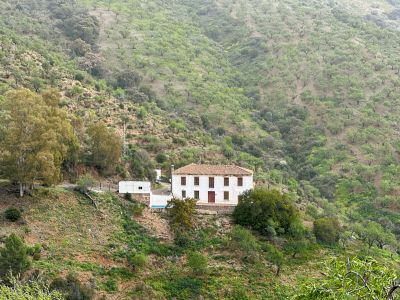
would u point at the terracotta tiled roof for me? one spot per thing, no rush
(194, 169)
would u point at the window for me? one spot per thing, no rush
(226, 181)
(226, 196)
(183, 194)
(196, 195)
(196, 180)
(211, 182)
(183, 180)
(140, 188)
(240, 181)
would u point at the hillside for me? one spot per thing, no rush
(246, 81)
(304, 92)
(93, 244)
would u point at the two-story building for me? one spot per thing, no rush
(211, 184)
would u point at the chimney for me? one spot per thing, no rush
(172, 171)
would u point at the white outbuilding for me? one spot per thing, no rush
(134, 187)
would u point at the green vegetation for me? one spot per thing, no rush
(182, 213)
(269, 212)
(27, 291)
(305, 93)
(327, 230)
(36, 138)
(105, 148)
(197, 262)
(137, 260)
(71, 288)
(354, 279)
(14, 259)
(12, 214)
(85, 182)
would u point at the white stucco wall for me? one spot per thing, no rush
(134, 187)
(159, 201)
(203, 188)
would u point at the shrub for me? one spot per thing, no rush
(137, 260)
(12, 214)
(181, 213)
(111, 285)
(35, 251)
(27, 291)
(342, 281)
(14, 256)
(244, 240)
(85, 182)
(183, 238)
(275, 256)
(197, 262)
(128, 197)
(71, 288)
(161, 158)
(268, 212)
(136, 209)
(79, 76)
(327, 230)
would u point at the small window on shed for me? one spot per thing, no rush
(183, 180)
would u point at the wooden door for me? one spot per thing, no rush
(211, 197)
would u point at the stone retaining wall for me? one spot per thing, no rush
(220, 209)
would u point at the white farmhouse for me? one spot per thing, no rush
(211, 184)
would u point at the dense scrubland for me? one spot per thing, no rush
(305, 93)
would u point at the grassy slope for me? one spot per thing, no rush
(94, 243)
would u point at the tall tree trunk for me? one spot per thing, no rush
(21, 189)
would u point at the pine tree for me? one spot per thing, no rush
(14, 257)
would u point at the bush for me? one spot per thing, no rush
(12, 214)
(79, 76)
(35, 251)
(85, 182)
(182, 213)
(161, 158)
(128, 197)
(136, 209)
(71, 288)
(197, 262)
(242, 239)
(268, 212)
(275, 256)
(327, 230)
(27, 291)
(111, 285)
(14, 257)
(137, 260)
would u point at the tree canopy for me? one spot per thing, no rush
(105, 147)
(267, 211)
(36, 138)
